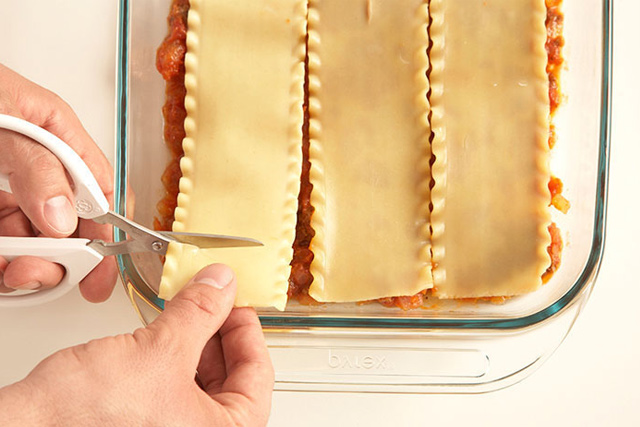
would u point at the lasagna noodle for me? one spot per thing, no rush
(369, 148)
(490, 120)
(242, 163)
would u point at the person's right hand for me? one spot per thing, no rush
(42, 203)
(147, 378)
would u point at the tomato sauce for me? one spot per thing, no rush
(170, 64)
(555, 252)
(555, 61)
(301, 278)
(554, 44)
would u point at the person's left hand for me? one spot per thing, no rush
(147, 378)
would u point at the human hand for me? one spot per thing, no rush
(147, 378)
(42, 203)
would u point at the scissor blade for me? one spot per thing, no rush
(211, 240)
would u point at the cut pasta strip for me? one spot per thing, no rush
(490, 119)
(241, 170)
(369, 148)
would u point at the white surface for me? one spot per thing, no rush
(591, 380)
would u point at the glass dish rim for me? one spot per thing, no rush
(580, 288)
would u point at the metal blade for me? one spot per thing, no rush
(211, 240)
(142, 239)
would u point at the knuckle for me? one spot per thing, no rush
(42, 162)
(194, 301)
(38, 157)
(55, 103)
(43, 170)
(247, 413)
(156, 340)
(6, 104)
(266, 370)
(72, 358)
(57, 99)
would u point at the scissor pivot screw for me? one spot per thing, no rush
(157, 246)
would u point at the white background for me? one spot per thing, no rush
(69, 47)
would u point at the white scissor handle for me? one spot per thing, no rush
(74, 255)
(90, 200)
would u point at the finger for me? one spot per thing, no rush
(3, 266)
(249, 369)
(65, 125)
(37, 178)
(196, 313)
(212, 370)
(13, 223)
(46, 109)
(99, 284)
(39, 184)
(31, 273)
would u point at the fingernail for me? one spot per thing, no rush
(60, 215)
(30, 286)
(218, 276)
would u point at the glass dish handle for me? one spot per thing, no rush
(451, 361)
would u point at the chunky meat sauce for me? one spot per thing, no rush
(555, 61)
(170, 63)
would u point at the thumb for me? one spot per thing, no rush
(39, 184)
(196, 313)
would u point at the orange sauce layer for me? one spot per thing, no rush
(170, 63)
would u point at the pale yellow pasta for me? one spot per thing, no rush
(369, 148)
(490, 112)
(241, 170)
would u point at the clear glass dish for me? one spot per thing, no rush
(451, 347)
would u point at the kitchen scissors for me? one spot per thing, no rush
(79, 256)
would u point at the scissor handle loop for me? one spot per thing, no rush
(74, 255)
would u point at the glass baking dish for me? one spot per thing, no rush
(453, 346)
